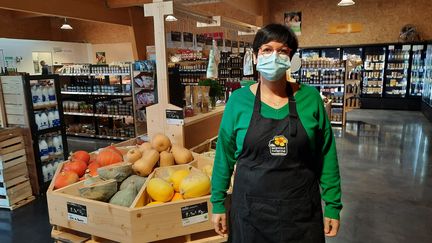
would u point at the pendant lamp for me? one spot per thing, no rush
(344, 3)
(66, 26)
(170, 18)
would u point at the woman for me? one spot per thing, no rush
(280, 139)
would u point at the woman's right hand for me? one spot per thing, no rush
(220, 223)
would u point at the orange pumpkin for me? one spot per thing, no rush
(112, 147)
(92, 168)
(81, 155)
(108, 156)
(65, 178)
(77, 166)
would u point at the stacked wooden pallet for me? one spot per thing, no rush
(15, 184)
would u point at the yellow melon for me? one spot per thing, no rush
(177, 178)
(160, 190)
(196, 184)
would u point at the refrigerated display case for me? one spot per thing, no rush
(45, 119)
(352, 53)
(331, 53)
(427, 90)
(417, 70)
(373, 71)
(397, 70)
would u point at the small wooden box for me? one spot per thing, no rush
(15, 186)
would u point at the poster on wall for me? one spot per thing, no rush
(187, 40)
(100, 57)
(293, 21)
(174, 39)
(227, 46)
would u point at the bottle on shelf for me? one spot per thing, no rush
(43, 149)
(58, 144)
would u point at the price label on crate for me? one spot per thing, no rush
(77, 212)
(194, 214)
(174, 117)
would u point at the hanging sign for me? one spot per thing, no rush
(187, 40)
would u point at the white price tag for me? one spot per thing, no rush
(77, 212)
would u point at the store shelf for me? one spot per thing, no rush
(194, 84)
(139, 106)
(111, 94)
(53, 157)
(97, 136)
(373, 70)
(43, 107)
(75, 93)
(328, 85)
(110, 74)
(78, 114)
(337, 104)
(397, 69)
(95, 93)
(373, 86)
(113, 116)
(74, 74)
(49, 130)
(336, 122)
(96, 115)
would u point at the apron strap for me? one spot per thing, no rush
(293, 115)
(292, 107)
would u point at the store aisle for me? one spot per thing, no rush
(386, 166)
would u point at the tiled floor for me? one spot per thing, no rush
(386, 167)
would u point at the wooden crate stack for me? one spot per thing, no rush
(16, 155)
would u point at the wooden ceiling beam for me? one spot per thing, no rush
(26, 15)
(126, 3)
(92, 10)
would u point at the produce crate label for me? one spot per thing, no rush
(77, 212)
(174, 117)
(194, 214)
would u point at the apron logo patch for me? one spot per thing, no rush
(278, 146)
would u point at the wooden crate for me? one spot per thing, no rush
(15, 186)
(137, 223)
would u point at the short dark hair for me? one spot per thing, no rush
(276, 32)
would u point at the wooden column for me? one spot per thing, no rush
(156, 114)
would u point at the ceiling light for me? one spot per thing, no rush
(344, 3)
(170, 18)
(66, 26)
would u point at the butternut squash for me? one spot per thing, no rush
(145, 146)
(133, 155)
(161, 142)
(166, 159)
(145, 165)
(181, 155)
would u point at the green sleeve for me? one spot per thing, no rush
(224, 160)
(330, 178)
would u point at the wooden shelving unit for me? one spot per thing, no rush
(352, 88)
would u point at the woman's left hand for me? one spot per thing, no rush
(331, 227)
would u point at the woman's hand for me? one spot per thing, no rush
(220, 223)
(331, 227)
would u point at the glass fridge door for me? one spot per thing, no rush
(331, 53)
(417, 70)
(373, 71)
(396, 75)
(352, 53)
(427, 91)
(310, 53)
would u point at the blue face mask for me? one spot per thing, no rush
(272, 67)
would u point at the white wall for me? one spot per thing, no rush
(117, 52)
(62, 52)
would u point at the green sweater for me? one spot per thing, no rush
(233, 128)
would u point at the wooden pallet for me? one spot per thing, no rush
(62, 234)
(15, 185)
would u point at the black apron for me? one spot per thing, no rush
(276, 196)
